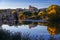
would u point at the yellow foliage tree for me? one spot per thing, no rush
(13, 11)
(20, 13)
(41, 13)
(53, 9)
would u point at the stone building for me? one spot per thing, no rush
(33, 9)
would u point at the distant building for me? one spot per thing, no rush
(33, 9)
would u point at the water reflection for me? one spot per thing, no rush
(40, 30)
(54, 29)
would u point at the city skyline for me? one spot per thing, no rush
(4, 4)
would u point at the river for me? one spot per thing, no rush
(39, 30)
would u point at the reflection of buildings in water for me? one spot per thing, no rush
(39, 23)
(42, 23)
(32, 25)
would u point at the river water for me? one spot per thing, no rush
(39, 30)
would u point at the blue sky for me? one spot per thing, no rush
(26, 3)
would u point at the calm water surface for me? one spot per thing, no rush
(34, 31)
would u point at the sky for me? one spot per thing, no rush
(4, 4)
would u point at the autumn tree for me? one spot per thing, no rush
(15, 16)
(20, 17)
(53, 10)
(53, 13)
(42, 14)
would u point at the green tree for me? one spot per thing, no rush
(27, 13)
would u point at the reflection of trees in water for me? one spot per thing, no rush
(33, 24)
(41, 37)
(7, 35)
(25, 36)
(52, 38)
(53, 29)
(0, 27)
